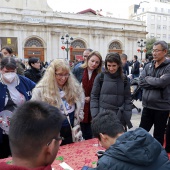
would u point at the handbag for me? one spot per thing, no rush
(76, 130)
(7, 113)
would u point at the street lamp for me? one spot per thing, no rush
(67, 42)
(141, 44)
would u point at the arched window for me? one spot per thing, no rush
(33, 42)
(78, 44)
(115, 45)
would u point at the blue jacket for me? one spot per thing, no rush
(24, 86)
(126, 69)
(78, 72)
(134, 150)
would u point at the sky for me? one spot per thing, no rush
(117, 8)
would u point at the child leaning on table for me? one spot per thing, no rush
(34, 136)
(135, 150)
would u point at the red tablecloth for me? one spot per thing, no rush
(75, 155)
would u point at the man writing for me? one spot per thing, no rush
(155, 82)
(34, 136)
(133, 150)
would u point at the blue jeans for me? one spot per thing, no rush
(135, 75)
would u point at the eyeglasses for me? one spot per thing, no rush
(60, 139)
(156, 51)
(62, 75)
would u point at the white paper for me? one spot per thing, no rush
(65, 166)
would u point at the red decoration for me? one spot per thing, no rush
(63, 47)
(71, 48)
(138, 50)
(145, 50)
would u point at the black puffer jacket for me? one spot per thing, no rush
(114, 95)
(134, 150)
(156, 86)
(33, 74)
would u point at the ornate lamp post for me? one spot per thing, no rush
(141, 44)
(67, 42)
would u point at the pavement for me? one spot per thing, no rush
(136, 116)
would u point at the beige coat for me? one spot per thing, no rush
(79, 114)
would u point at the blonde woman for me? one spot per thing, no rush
(57, 87)
(86, 74)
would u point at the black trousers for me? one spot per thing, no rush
(5, 151)
(167, 147)
(86, 130)
(158, 118)
(66, 133)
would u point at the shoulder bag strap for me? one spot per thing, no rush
(101, 80)
(65, 111)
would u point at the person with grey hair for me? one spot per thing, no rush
(124, 64)
(155, 82)
(15, 90)
(77, 71)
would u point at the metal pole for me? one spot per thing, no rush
(141, 53)
(67, 49)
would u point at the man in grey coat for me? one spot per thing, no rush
(155, 82)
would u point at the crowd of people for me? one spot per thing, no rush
(95, 96)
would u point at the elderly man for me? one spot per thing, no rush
(76, 71)
(155, 82)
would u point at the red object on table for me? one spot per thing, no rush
(76, 155)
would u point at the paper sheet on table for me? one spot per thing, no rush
(65, 166)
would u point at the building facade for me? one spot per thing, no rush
(156, 15)
(31, 28)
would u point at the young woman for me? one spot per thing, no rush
(111, 91)
(59, 88)
(88, 71)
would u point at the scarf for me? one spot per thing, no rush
(87, 86)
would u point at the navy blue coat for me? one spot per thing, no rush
(134, 150)
(24, 86)
(78, 72)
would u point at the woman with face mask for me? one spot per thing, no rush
(111, 91)
(14, 90)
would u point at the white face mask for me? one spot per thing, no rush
(9, 77)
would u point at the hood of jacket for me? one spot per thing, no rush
(137, 147)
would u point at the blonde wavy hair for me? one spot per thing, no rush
(96, 53)
(50, 90)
